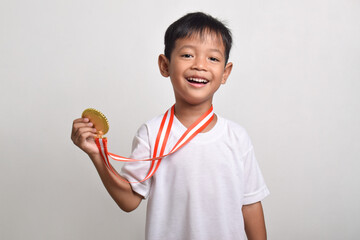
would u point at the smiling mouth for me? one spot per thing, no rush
(197, 80)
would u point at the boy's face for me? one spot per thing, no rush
(196, 68)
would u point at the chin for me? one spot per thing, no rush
(195, 102)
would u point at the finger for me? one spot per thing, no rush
(78, 123)
(77, 126)
(81, 120)
(83, 130)
(82, 124)
(80, 131)
(86, 140)
(86, 137)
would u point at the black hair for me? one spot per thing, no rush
(196, 22)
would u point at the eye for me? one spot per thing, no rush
(214, 59)
(186, 55)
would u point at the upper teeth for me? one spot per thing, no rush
(198, 80)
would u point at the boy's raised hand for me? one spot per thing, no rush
(82, 135)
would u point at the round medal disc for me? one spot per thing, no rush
(99, 120)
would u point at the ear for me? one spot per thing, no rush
(227, 72)
(163, 65)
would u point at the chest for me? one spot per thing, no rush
(202, 162)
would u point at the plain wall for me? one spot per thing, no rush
(294, 87)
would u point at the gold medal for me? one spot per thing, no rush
(99, 120)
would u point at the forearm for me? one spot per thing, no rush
(254, 221)
(119, 190)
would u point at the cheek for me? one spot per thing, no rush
(220, 73)
(172, 69)
(176, 72)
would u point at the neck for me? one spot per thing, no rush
(187, 114)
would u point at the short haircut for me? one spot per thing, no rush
(197, 23)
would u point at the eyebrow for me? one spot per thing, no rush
(211, 49)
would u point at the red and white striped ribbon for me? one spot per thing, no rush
(160, 142)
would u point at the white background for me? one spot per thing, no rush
(294, 87)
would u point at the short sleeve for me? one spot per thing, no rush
(135, 172)
(255, 187)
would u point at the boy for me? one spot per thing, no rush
(212, 187)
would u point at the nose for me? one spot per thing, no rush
(199, 64)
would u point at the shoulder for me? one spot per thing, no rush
(235, 127)
(153, 124)
(149, 127)
(237, 134)
(145, 134)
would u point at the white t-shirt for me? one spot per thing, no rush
(197, 192)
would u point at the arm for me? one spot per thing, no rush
(254, 221)
(82, 135)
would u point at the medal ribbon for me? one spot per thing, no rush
(160, 142)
